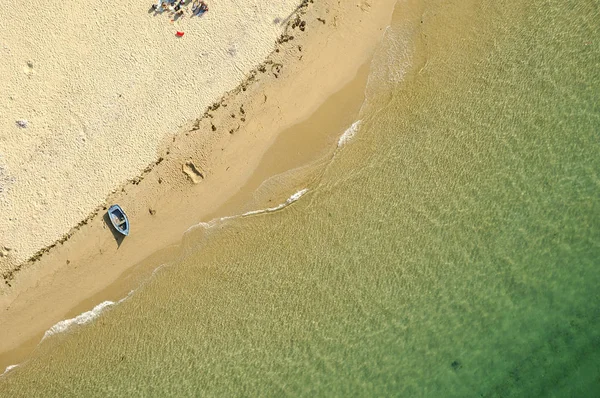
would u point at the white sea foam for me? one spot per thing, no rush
(288, 202)
(393, 58)
(156, 270)
(349, 134)
(8, 369)
(213, 222)
(82, 318)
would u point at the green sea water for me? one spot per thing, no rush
(451, 248)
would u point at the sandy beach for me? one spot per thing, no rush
(100, 88)
(176, 130)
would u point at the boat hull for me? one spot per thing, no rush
(119, 219)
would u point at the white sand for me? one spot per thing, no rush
(101, 85)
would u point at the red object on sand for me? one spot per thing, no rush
(179, 34)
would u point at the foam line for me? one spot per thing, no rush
(349, 134)
(8, 369)
(215, 221)
(82, 318)
(288, 202)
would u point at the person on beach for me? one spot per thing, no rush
(199, 7)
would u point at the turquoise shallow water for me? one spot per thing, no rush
(451, 248)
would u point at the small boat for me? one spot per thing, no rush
(119, 219)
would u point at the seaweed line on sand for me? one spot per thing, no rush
(292, 22)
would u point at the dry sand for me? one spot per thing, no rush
(210, 168)
(101, 85)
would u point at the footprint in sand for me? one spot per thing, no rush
(4, 251)
(192, 172)
(77, 122)
(28, 69)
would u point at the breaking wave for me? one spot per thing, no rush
(8, 369)
(349, 134)
(82, 318)
(215, 221)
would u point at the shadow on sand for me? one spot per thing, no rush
(118, 236)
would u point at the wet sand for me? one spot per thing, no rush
(212, 167)
(90, 93)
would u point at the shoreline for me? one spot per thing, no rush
(216, 158)
(89, 98)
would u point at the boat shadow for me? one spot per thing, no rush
(118, 236)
